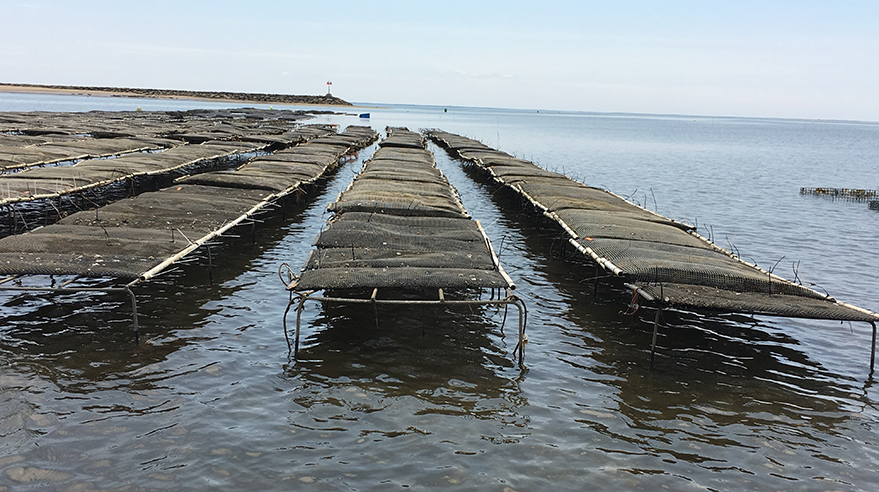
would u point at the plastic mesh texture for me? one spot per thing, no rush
(458, 143)
(695, 266)
(291, 167)
(656, 253)
(130, 237)
(179, 139)
(399, 278)
(556, 196)
(63, 180)
(404, 155)
(114, 265)
(347, 233)
(96, 134)
(631, 226)
(400, 225)
(13, 157)
(200, 209)
(388, 257)
(401, 137)
(722, 300)
(409, 184)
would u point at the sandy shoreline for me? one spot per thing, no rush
(233, 97)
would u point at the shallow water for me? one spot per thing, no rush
(422, 398)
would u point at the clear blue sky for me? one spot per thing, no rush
(800, 59)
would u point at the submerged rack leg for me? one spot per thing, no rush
(374, 307)
(284, 319)
(210, 266)
(134, 315)
(873, 350)
(299, 309)
(523, 339)
(521, 335)
(655, 330)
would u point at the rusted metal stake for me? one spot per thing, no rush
(655, 330)
(210, 266)
(522, 339)
(134, 314)
(299, 309)
(873, 350)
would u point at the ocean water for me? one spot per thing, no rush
(420, 398)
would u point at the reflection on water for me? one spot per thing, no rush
(728, 394)
(429, 383)
(431, 398)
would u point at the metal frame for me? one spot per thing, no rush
(638, 292)
(299, 299)
(64, 289)
(248, 217)
(617, 272)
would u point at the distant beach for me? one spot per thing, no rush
(326, 100)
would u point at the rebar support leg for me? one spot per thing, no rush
(873, 350)
(134, 315)
(655, 331)
(522, 338)
(210, 266)
(299, 309)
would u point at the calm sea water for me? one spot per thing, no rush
(425, 399)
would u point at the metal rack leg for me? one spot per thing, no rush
(655, 331)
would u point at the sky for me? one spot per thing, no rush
(787, 59)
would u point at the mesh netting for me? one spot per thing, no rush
(398, 184)
(395, 202)
(395, 174)
(401, 165)
(90, 251)
(394, 193)
(404, 154)
(130, 237)
(484, 154)
(398, 157)
(465, 237)
(258, 165)
(273, 181)
(399, 278)
(714, 299)
(400, 225)
(16, 157)
(292, 155)
(367, 257)
(517, 174)
(432, 223)
(657, 253)
(457, 142)
(657, 262)
(402, 137)
(570, 194)
(187, 207)
(121, 266)
(286, 169)
(63, 180)
(633, 226)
